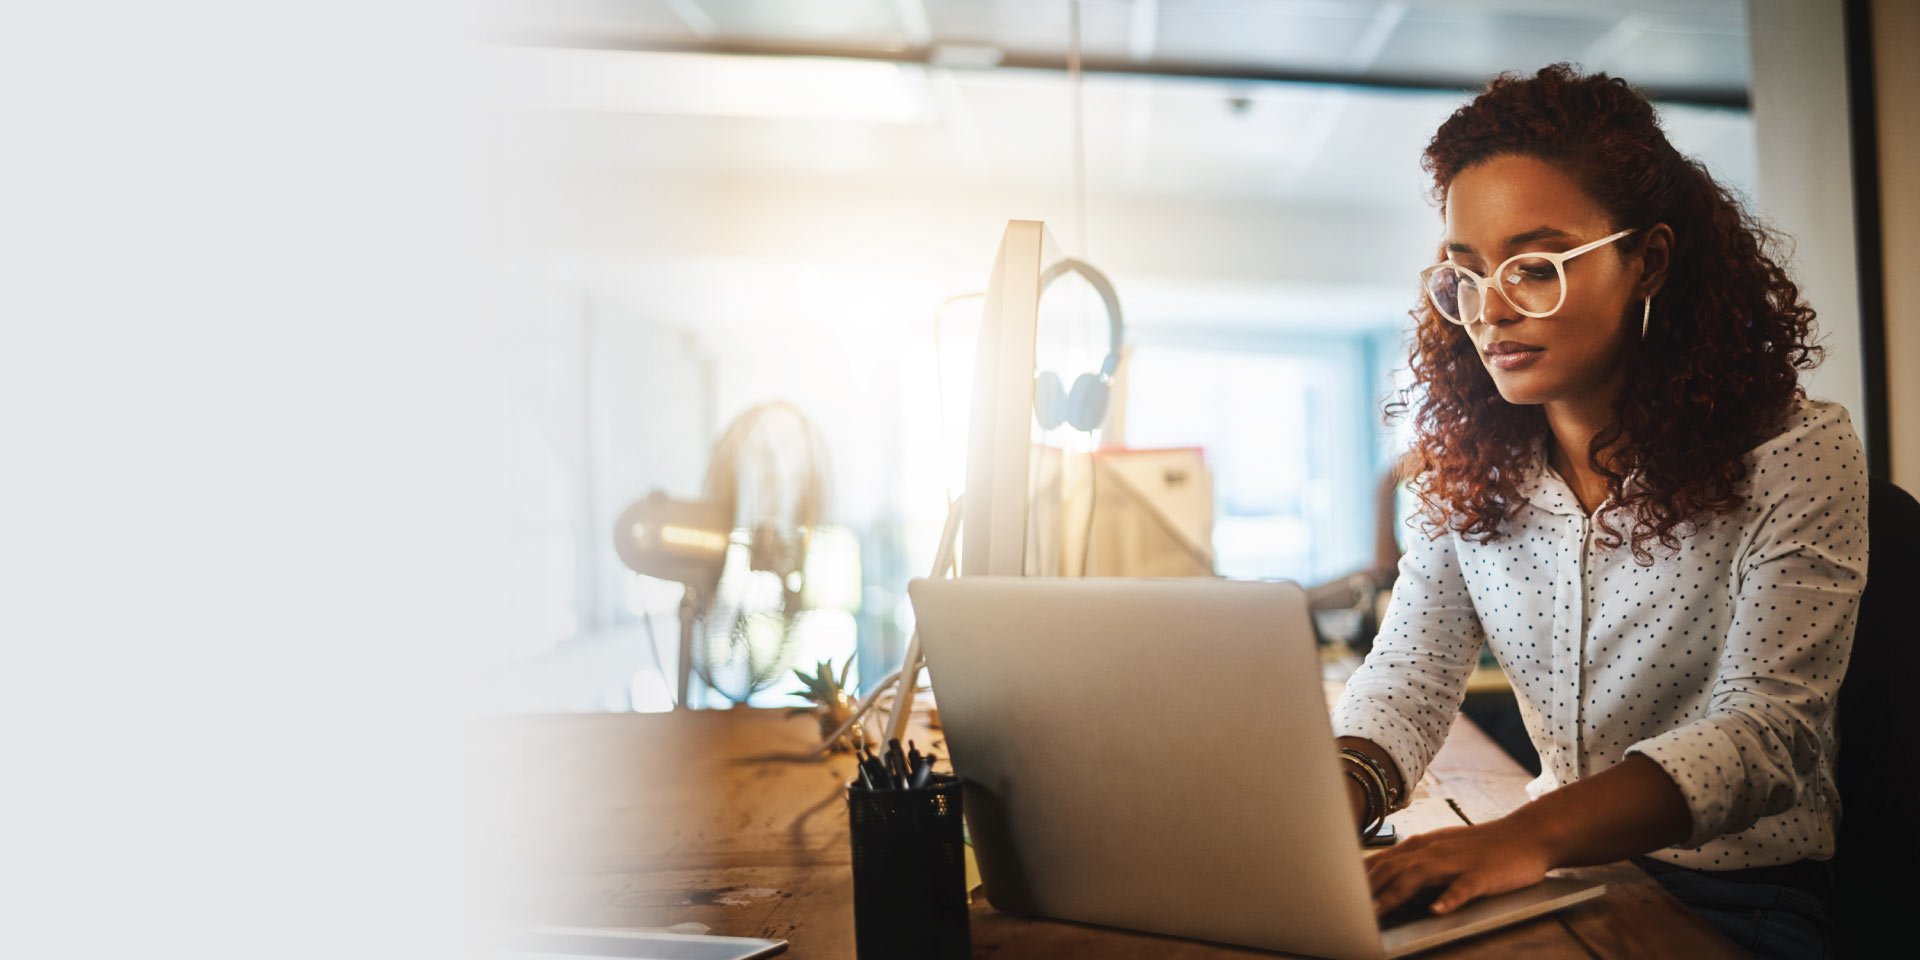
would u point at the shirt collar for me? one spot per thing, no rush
(1545, 489)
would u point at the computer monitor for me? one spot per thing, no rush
(997, 502)
(1009, 524)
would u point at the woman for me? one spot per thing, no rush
(1627, 495)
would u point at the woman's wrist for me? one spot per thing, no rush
(1367, 805)
(1396, 784)
(1538, 826)
(1374, 775)
(1357, 799)
(1628, 809)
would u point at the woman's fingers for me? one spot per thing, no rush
(1468, 862)
(1397, 853)
(1379, 874)
(1382, 868)
(1393, 858)
(1408, 882)
(1464, 888)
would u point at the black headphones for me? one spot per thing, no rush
(1085, 406)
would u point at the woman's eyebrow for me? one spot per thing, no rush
(1537, 233)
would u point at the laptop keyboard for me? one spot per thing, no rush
(1416, 908)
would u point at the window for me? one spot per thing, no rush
(1289, 432)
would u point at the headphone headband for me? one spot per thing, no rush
(1116, 329)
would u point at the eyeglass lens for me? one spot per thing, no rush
(1530, 284)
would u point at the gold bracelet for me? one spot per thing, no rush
(1392, 797)
(1375, 788)
(1371, 815)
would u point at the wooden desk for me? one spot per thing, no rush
(716, 817)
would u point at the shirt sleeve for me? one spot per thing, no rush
(1404, 697)
(1760, 745)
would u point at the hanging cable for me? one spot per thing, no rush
(1080, 238)
(1093, 500)
(1079, 132)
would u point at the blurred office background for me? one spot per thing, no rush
(728, 202)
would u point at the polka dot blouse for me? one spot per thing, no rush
(1720, 663)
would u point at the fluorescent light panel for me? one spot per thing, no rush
(706, 84)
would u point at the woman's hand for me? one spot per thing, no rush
(1467, 862)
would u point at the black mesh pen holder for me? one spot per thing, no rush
(909, 872)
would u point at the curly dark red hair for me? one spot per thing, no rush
(1720, 361)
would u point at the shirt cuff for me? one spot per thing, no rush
(1358, 717)
(1703, 762)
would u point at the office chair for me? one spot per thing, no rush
(1876, 863)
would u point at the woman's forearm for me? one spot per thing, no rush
(1629, 809)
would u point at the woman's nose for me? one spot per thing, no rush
(1495, 311)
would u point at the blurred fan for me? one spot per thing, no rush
(741, 551)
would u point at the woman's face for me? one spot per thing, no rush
(1520, 204)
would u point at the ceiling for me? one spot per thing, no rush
(639, 92)
(1689, 47)
(667, 117)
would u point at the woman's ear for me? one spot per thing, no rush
(1656, 255)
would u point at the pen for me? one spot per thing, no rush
(875, 770)
(915, 760)
(897, 762)
(863, 762)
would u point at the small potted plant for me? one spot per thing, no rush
(831, 705)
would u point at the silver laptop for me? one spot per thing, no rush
(1156, 755)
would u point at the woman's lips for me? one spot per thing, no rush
(1514, 361)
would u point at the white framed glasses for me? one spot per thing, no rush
(1534, 284)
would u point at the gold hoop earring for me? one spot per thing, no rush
(1646, 312)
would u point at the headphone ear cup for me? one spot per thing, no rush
(1049, 400)
(1087, 404)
